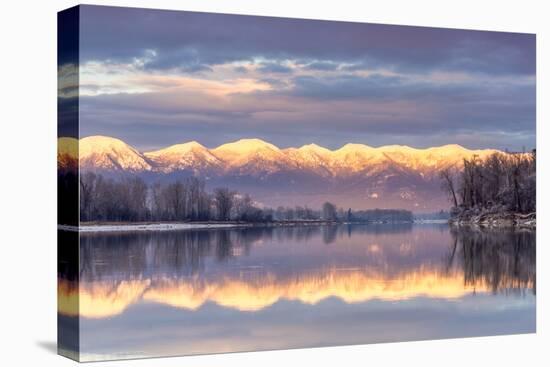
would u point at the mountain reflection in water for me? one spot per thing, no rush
(249, 269)
(254, 270)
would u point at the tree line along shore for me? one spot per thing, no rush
(499, 191)
(132, 200)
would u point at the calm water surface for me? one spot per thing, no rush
(209, 291)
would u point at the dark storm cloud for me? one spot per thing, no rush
(209, 39)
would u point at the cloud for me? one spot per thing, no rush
(157, 77)
(240, 69)
(322, 65)
(348, 86)
(98, 78)
(274, 67)
(205, 39)
(368, 110)
(186, 60)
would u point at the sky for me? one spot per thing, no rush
(155, 78)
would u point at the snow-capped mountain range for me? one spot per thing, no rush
(354, 175)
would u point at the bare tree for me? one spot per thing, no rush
(502, 180)
(136, 198)
(87, 191)
(329, 211)
(175, 198)
(242, 206)
(224, 202)
(448, 183)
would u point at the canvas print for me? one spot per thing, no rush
(234, 183)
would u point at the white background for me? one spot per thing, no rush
(28, 179)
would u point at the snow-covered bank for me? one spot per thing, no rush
(131, 227)
(495, 220)
(431, 221)
(147, 227)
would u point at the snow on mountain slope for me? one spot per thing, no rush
(105, 153)
(353, 158)
(311, 157)
(256, 157)
(355, 175)
(190, 155)
(252, 156)
(431, 159)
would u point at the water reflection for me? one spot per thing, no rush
(207, 291)
(253, 268)
(184, 253)
(502, 260)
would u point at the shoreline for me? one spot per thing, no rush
(179, 226)
(182, 226)
(138, 227)
(496, 220)
(508, 220)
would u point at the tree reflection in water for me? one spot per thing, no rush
(184, 252)
(503, 260)
(394, 276)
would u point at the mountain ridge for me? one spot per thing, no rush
(354, 175)
(241, 152)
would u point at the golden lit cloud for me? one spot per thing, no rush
(98, 78)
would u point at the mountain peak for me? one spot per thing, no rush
(191, 155)
(354, 147)
(254, 155)
(314, 148)
(402, 175)
(448, 147)
(101, 141)
(398, 149)
(182, 148)
(110, 153)
(246, 146)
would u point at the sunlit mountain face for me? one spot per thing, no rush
(355, 176)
